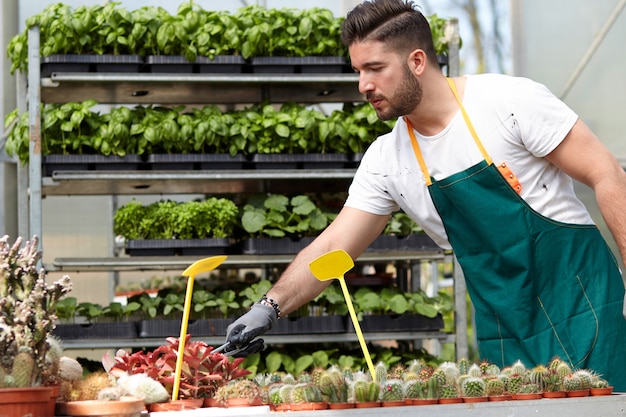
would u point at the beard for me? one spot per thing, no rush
(404, 100)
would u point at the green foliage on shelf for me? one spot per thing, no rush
(167, 219)
(190, 32)
(76, 128)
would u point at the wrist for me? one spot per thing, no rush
(265, 300)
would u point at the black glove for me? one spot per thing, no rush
(242, 331)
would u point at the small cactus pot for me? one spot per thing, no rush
(578, 393)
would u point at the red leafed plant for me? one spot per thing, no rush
(201, 375)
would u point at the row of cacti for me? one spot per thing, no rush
(419, 380)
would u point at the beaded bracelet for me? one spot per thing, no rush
(271, 303)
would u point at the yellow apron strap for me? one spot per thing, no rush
(469, 124)
(418, 153)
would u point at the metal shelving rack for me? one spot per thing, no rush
(170, 89)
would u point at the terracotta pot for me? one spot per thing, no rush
(475, 399)
(368, 404)
(554, 394)
(126, 407)
(601, 391)
(210, 402)
(423, 401)
(503, 397)
(243, 402)
(527, 396)
(177, 405)
(450, 400)
(578, 393)
(340, 406)
(54, 394)
(308, 406)
(18, 402)
(393, 403)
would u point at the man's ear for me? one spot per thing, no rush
(417, 61)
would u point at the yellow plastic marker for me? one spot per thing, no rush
(334, 265)
(198, 267)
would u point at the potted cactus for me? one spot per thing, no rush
(240, 393)
(26, 323)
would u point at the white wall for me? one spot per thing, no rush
(550, 42)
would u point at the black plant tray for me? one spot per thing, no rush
(112, 330)
(228, 64)
(301, 161)
(274, 245)
(182, 247)
(304, 64)
(196, 161)
(171, 328)
(51, 163)
(398, 323)
(225, 64)
(90, 63)
(402, 243)
(310, 324)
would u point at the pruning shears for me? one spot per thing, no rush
(251, 347)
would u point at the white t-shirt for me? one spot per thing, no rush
(518, 121)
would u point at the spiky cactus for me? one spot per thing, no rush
(572, 382)
(393, 390)
(586, 378)
(27, 313)
(449, 391)
(415, 389)
(333, 385)
(366, 391)
(495, 386)
(515, 383)
(433, 385)
(464, 365)
(381, 370)
(474, 387)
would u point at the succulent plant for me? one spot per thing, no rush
(495, 386)
(366, 391)
(333, 385)
(27, 304)
(473, 387)
(393, 390)
(241, 388)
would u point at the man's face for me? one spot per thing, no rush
(385, 79)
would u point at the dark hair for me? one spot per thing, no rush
(397, 23)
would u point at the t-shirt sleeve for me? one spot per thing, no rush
(544, 120)
(368, 189)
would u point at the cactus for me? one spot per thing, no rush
(415, 389)
(366, 391)
(142, 386)
(298, 394)
(333, 385)
(473, 387)
(380, 370)
(475, 371)
(275, 397)
(538, 375)
(515, 383)
(393, 390)
(449, 391)
(464, 365)
(416, 365)
(529, 388)
(572, 382)
(434, 382)
(52, 361)
(23, 368)
(495, 386)
(586, 377)
(450, 370)
(518, 368)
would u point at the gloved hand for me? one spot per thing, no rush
(242, 331)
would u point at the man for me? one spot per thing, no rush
(484, 164)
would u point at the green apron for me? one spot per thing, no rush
(541, 288)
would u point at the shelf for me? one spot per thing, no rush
(157, 263)
(193, 182)
(269, 339)
(147, 88)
